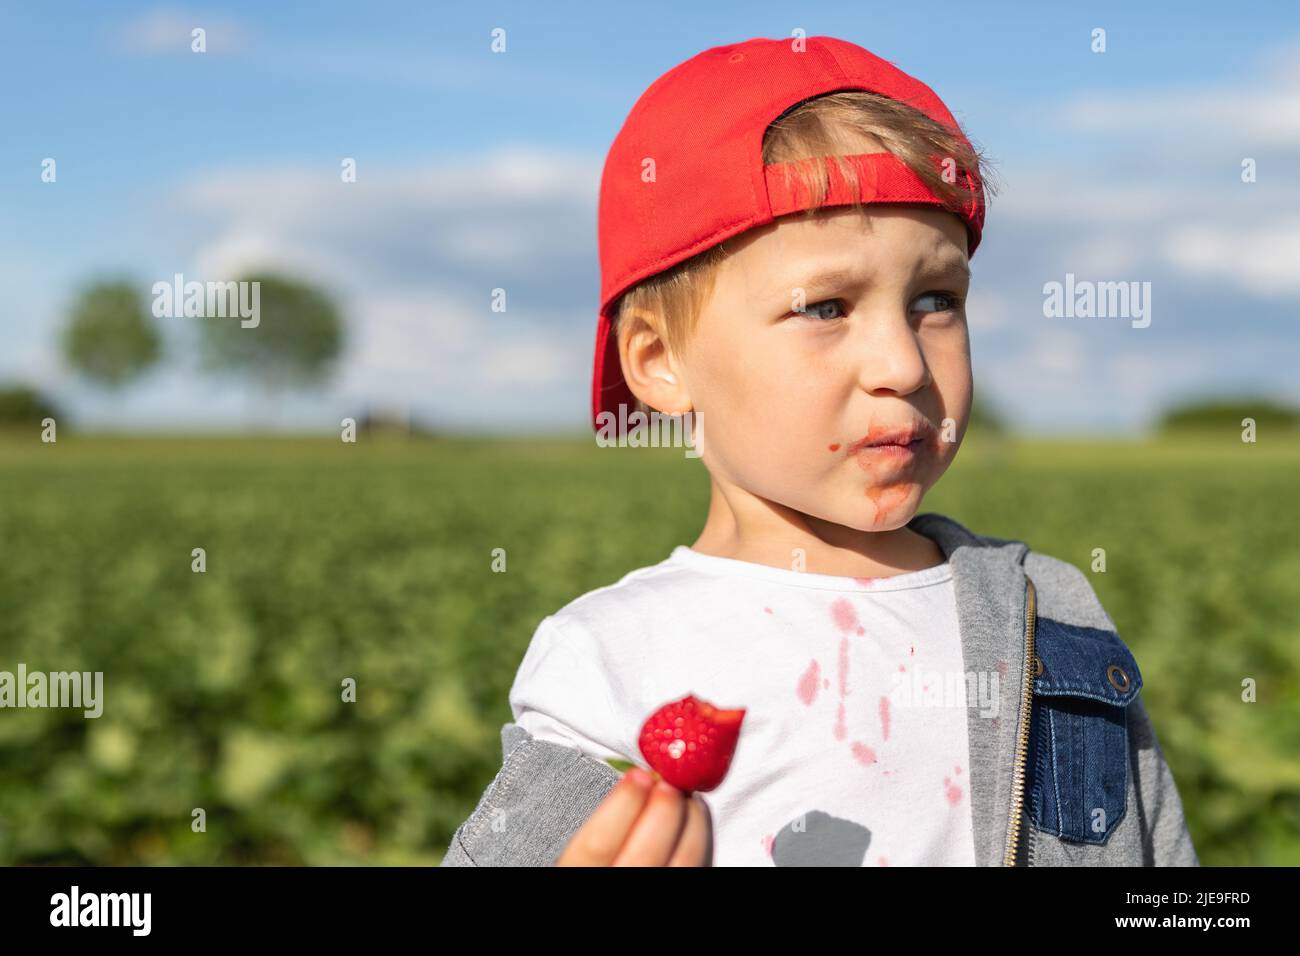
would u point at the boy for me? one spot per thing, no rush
(915, 693)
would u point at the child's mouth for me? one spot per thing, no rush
(900, 445)
(893, 452)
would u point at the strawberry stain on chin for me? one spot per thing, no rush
(888, 498)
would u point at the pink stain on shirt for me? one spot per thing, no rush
(883, 861)
(808, 684)
(865, 582)
(768, 610)
(952, 792)
(845, 617)
(844, 687)
(767, 844)
(863, 754)
(884, 717)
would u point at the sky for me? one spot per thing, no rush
(479, 170)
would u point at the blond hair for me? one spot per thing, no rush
(820, 129)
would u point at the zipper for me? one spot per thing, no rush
(1022, 736)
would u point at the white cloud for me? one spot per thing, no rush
(1263, 111)
(413, 254)
(1107, 253)
(1054, 353)
(1174, 205)
(986, 309)
(528, 363)
(171, 31)
(1263, 259)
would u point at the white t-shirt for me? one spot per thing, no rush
(854, 747)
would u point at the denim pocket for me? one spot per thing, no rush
(1078, 739)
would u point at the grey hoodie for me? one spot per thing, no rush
(1076, 779)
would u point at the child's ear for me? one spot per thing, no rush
(650, 370)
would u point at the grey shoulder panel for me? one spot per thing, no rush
(540, 797)
(1065, 594)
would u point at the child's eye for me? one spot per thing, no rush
(946, 302)
(821, 314)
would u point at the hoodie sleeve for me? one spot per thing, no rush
(553, 775)
(1165, 837)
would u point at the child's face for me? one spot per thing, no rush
(783, 397)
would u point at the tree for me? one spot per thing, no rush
(294, 341)
(23, 406)
(110, 337)
(985, 417)
(1227, 411)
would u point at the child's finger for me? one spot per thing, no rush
(656, 830)
(695, 847)
(598, 840)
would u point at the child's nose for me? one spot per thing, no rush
(889, 359)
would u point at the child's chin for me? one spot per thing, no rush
(890, 507)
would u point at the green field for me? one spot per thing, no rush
(373, 561)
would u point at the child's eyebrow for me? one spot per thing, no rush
(839, 277)
(952, 261)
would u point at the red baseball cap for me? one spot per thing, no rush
(702, 125)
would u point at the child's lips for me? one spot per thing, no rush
(891, 448)
(902, 454)
(900, 445)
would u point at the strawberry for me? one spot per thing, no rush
(690, 742)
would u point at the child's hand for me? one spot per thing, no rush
(642, 822)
